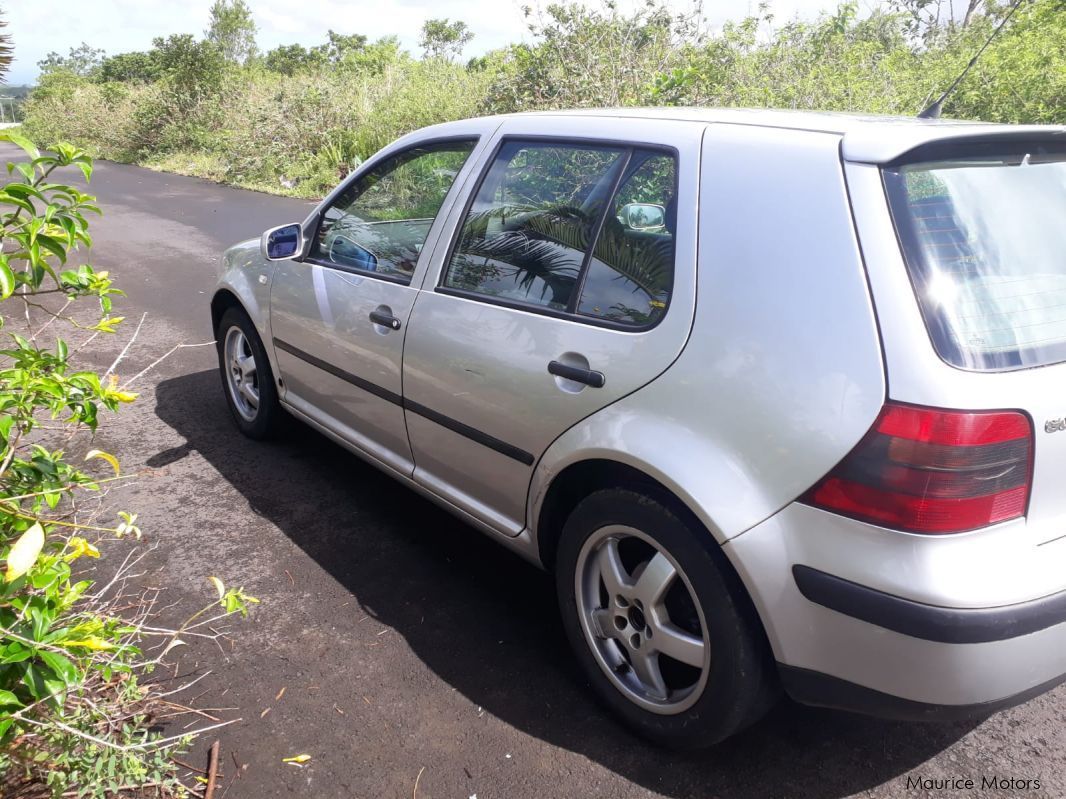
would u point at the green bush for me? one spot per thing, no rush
(73, 715)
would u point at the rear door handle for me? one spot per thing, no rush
(385, 320)
(589, 377)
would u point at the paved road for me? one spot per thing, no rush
(405, 642)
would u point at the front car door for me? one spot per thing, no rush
(339, 316)
(568, 283)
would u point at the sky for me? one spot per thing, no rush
(118, 26)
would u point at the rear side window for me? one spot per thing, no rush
(984, 238)
(574, 229)
(632, 268)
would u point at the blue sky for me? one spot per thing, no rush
(117, 26)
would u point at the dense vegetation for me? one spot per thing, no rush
(296, 118)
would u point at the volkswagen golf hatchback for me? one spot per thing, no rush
(778, 397)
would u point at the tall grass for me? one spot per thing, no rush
(287, 134)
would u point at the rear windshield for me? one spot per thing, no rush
(984, 238)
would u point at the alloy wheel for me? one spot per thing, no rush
(642, 620)
(242, 374)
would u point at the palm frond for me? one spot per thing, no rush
(7, 50)
(546, 246)
(647, 263)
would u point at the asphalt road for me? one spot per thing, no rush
(411, 648)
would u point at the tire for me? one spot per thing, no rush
(255, 409)
(718, 676)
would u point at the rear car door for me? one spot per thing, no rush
(338, 317)
(568, 283)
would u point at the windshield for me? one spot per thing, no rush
(984, 239)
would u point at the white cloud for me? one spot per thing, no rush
(116, 26)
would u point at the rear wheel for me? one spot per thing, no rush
(657, 624)
(246, 376)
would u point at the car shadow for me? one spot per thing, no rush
(364, 522)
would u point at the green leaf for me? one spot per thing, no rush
(54, 246)
(7, 199)
(86, 169)
(34, 681)
(6, 423)
(23, 190)
(7, 699)
(61, 666)
(21, 141)
(15, 653)
(26, 170)
(7, 280)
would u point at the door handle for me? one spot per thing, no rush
(589, 377)
(385, 319)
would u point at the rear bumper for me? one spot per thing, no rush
(823, 690)
(904, 626)
(929, 622)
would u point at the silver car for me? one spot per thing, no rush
(779, 397)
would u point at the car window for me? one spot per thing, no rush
(533, 220)
(632, 268)
(985, 245)
(574, 228)
(380, 222)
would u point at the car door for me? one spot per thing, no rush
(338, 316)
(568, 282)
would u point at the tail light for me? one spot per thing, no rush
(926, 470)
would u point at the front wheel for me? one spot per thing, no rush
(661, 629)
(246, 376)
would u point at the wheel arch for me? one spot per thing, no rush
(223, 300)
(581, 478)
(227, 296)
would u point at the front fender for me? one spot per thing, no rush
(246, 276)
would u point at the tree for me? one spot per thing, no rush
(130, 67)
(232, 30)
(340, 46)
(442, 38)
(82, 61)
(195, 68)
(289, 59)
(930, 18)
(340, 49)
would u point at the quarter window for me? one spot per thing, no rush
(575, 229)
(380, 222)
(632, 268)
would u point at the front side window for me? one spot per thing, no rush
(380, 222)
(572, 228)
(984, 239)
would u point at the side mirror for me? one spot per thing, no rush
(283, 242)
(642, 216)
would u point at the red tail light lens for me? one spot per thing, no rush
(925, 470)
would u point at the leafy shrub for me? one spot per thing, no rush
(590, 58)
(73, 714)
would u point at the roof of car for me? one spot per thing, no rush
(867, 138)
